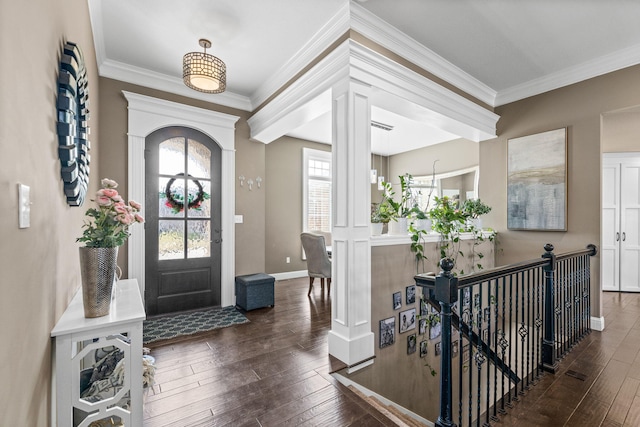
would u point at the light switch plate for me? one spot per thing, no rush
(24, 206)
(239, 219)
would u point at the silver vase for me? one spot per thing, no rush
(98, 269)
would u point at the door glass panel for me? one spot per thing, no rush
(171, 156)
(170, 239)
(199, 160)
(199, 239)
(171, 200)
(199, 191)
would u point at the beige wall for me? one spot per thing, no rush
(40, 271)
(250, 160)
(621, 131)
(577, 107)
(400, 377)
(450, 156)
(284, 203)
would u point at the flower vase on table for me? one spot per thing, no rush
(98, 270)
(103, 234)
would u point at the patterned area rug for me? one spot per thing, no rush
(165, 327)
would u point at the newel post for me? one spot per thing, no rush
(549, 362)
(446, 294)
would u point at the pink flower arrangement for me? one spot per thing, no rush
(111, 220)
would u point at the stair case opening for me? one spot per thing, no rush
(503, 328)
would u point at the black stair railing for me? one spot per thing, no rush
(505, 326)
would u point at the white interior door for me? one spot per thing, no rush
(610, 239)
(630, 226)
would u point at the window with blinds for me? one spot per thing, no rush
(317, 190)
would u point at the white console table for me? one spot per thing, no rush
(77, 337)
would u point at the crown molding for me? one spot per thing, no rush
(605, 64)
(397, 85)
(453, 113)
(286, 110)
(146, 78)
(381, 32)
(95, 16)
(321, 41)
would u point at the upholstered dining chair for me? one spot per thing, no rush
(318, 262)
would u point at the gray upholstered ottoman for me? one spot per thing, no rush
(255, 291)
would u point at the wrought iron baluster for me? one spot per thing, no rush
(479, 359)
(496, 296)
(503, 344)
(550, 309)
(510, 334)
(538, 322)
(529, 324)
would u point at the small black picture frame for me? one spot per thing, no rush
(397, 300)
(435, 331)
(454, 349)
(407, 320)
(387, 332)
(411, 294)
(423, 348)
(411, 344)
(486, 337)
(424, 309)
(438, 348)
(466, 352)
(466, 297)
(422, 326)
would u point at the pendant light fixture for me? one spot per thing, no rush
(204, 72)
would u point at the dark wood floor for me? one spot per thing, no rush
(609, 395)
(271, 371)
(275, 371)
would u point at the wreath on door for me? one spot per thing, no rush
(176, 201)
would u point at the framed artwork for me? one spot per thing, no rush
(435, 331)
(466, 297)
(424, 310)
(411, 344)
(397, 300)
(438, 348)
(423, 348)
(407, 320)
(454, 349)
(466, 352)
(422, 326)
(411, 294)
(537, 181)
(387, 332)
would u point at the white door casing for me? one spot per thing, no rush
(620, 239)
(147, 114)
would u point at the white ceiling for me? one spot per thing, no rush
(497, 50)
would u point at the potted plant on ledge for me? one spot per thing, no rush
(401, 209)
(381, 214)
(448, 221)
(473, 209)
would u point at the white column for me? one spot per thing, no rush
(351, 338)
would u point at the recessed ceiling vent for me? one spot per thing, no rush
(381, 125)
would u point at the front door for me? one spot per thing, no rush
(182, 232)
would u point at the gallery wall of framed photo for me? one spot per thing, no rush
(407, 335)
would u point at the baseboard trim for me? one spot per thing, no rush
(597, 323)
(347, 382)
(290, 274)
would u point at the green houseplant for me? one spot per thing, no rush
(473, 209)
(401, 208)
(448, 221)
(381, 213)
